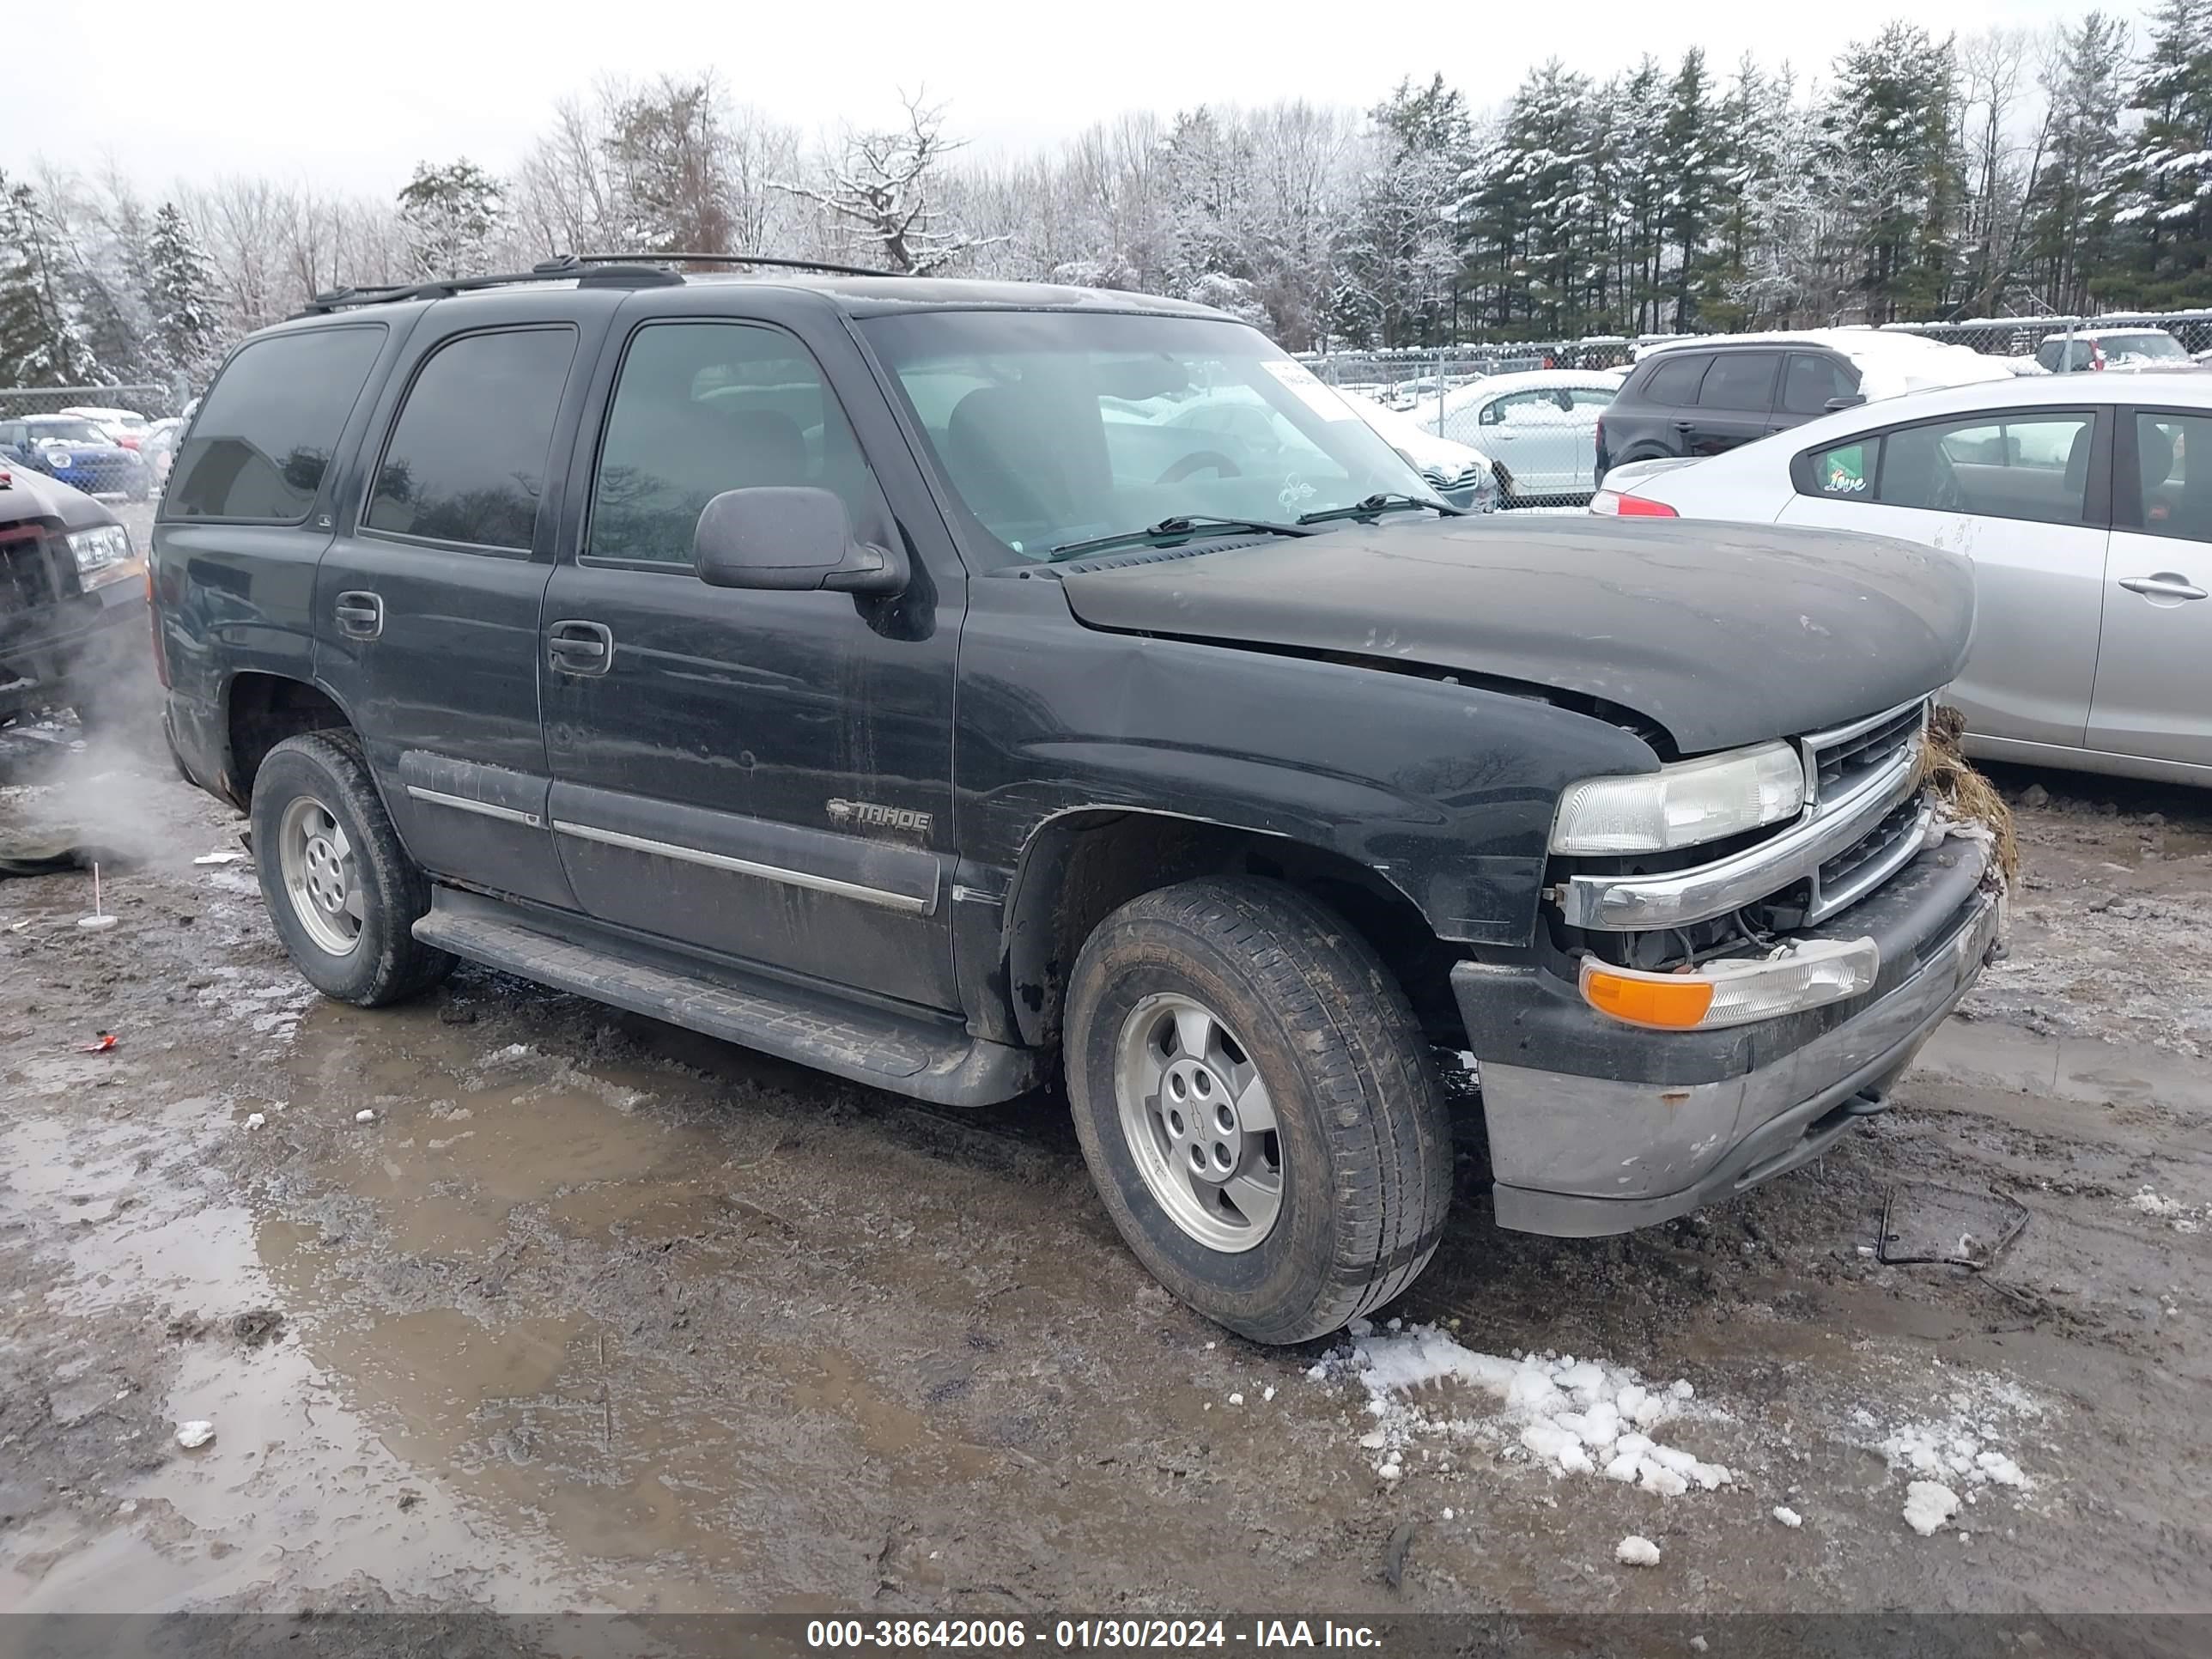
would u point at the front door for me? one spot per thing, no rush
(2154, 695)
(1736, 401)
(427, 603)
(766, 776)
(2018, 493)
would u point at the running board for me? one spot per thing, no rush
(941, 1064)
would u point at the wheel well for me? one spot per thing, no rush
(1082, 866)
(265, 709)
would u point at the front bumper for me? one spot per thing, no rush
(1597, 1127)
(68, 647)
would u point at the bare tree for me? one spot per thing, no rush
(880, 188)
(2002, 161)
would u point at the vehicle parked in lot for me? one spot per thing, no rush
(1699, 396)
(125, 426)
(159, 447)
(1459, 472)
(73, 625)
(74, 451)
(2131, 350)
(2087, 509)
(1539, 430)
(911, 716)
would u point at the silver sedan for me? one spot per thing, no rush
(2085, 502)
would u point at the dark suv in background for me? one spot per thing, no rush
(1698, 401)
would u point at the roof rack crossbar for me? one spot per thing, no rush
(777, 260)
(596, 269)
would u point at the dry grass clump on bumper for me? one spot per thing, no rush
(1964, 791)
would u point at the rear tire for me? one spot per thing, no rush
(1257, 1105)
(341, 890)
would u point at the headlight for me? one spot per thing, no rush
(1682, 805)
(99, 547)
(1736, 992)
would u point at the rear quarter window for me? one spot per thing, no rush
(1844, 473)
(265, 434)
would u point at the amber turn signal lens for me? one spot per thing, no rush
(1675, 1005)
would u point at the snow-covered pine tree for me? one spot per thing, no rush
(450, 214)
(2165, 176)
(180, 295)
(2071, 202)
(41, 341)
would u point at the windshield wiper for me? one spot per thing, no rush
(1185, 524)
(1383, 502)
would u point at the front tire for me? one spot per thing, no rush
(343, 893)
(1257, 1105)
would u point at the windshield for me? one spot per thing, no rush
(67, 432)
(1058, 427)
(2153, 348)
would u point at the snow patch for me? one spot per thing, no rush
(1788, 1517)
(1635, 1551)
(1572, 1416)
(1928, 1505)
(2148, 1201)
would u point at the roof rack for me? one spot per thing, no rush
(606, 274)
(777, 260)
(589, 270)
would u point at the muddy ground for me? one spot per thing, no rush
(595, 1314)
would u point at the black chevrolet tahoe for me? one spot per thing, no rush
(923, 680)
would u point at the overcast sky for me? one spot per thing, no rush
(351, 96)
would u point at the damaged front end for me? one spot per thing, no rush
(1736, 957)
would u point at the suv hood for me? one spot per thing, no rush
(33, 495)
(1721, 634)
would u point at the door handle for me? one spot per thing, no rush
(359, 615)
(581, 647)
(2163, 585)
(1684, 426)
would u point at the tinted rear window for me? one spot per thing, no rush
(466, 462)
(1740, 380)
(263, 438)
(1675, 381)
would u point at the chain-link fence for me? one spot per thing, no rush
(1531, 408)
(104, 440)
(154, 401)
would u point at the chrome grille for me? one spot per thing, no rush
(1865, 864)
(1845, 760)
(1473, 473)
(1868, 816)
(1836, 760)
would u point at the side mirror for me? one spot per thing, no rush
(792, 540)
(1851, 402)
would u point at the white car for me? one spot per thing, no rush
(1459, 472)
(2085, 502)
(1539, 428)
(126, 426)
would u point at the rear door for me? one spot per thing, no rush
(1544, 443)
(427, 605)
(1736, 401)
(249, 509)
(2023, 493)
(762, 776)
(2154, 691)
